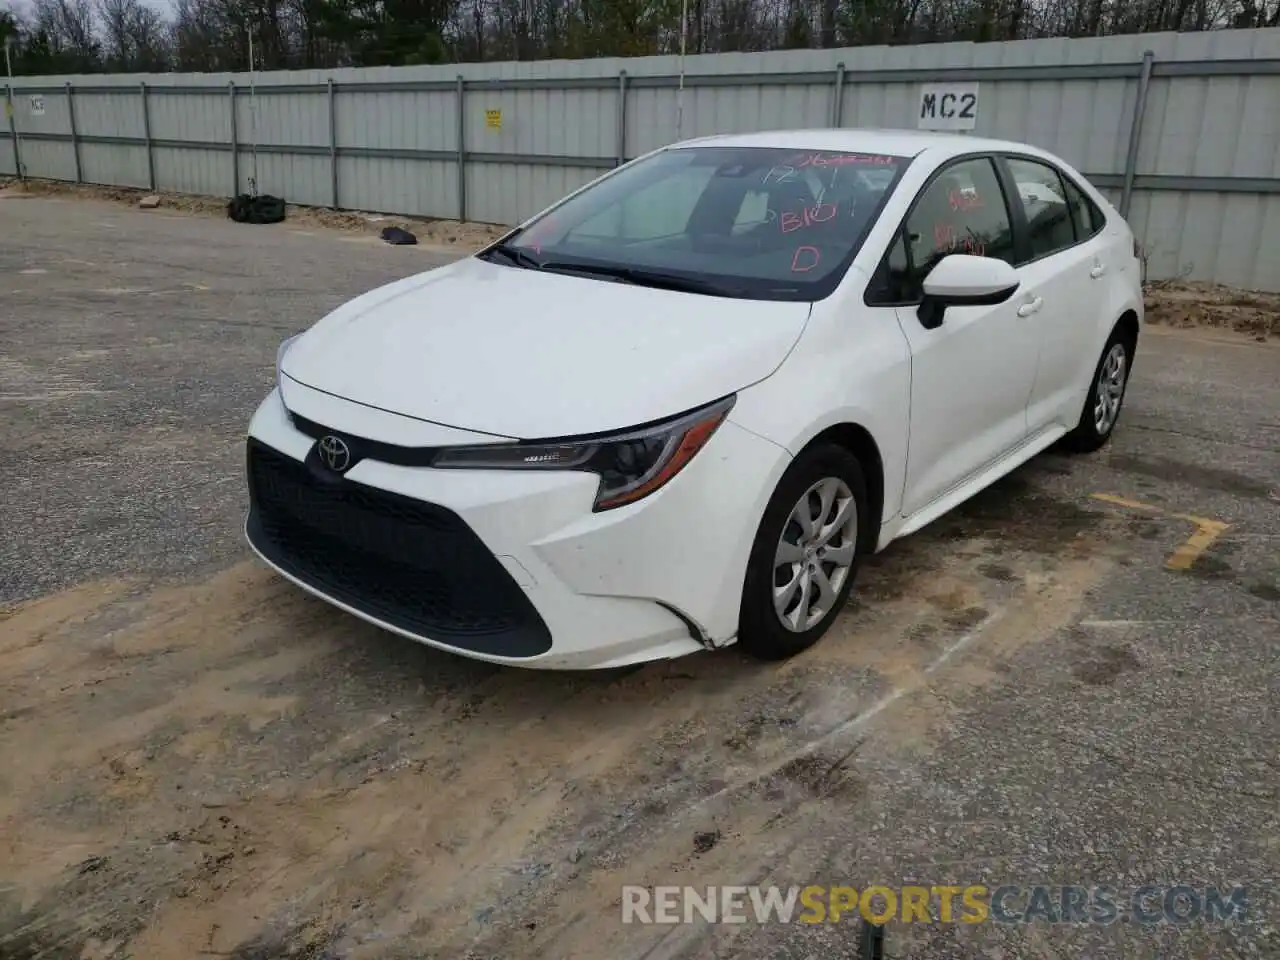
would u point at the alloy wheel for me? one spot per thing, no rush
(815, 554)
(1110, 391)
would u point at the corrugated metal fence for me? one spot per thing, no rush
(1182, 129)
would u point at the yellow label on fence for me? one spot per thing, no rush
(493, 119)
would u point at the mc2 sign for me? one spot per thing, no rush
(948, 106)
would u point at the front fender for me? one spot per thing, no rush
(852, 365)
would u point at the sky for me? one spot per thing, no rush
(22, 6)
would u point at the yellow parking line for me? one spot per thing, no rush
(1122, 502)
(1207, 531)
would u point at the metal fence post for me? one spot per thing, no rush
(235, 142)
(462, 151)
(837, 97)
(1135, 132)
(333, 148)
(146, 133)
(622, 117)
(75, 135)
(13, 132)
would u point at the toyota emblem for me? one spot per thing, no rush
(335, 453)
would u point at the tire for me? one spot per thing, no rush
(761, 630)
(261, 209)
(1094, 428)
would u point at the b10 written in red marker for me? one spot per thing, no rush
(818, 213)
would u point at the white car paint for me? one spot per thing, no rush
(624, 353)
(478, 351)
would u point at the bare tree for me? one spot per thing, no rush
(134, 37)
(86, 35)
(69, 31)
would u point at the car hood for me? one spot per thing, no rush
(526, 354)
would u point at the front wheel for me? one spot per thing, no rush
(805, 554)
(1106, 396)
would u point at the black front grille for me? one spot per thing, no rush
(414, 565)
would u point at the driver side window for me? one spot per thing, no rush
(962, 210)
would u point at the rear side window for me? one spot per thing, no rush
(1086, 216)
(961, 211)
(1050, 224)
(1096, 215)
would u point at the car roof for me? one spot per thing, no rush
(901, 143)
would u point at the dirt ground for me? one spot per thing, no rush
(437, 233)
(1180, 303)
(199, 760)
(186, 792)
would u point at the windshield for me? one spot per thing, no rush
(754, 222)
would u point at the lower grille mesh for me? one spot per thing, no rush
(414, 565)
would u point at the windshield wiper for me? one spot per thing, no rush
(645, 278)
(517, 256)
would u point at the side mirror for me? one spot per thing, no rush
(962, 280)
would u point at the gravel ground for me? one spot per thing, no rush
(198, 760)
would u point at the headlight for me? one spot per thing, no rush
(280, 352)
(630, 465)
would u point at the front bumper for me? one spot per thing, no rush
(508, 566)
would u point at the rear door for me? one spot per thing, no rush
(1062, 260)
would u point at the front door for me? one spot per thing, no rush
(972, 376)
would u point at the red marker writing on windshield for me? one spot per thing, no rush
(805, 259)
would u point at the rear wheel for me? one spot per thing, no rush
(805, 554)
(1106, 396)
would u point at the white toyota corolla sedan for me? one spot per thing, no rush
(672, 411)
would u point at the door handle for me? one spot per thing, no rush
(1027, 309)
(1097, 271)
